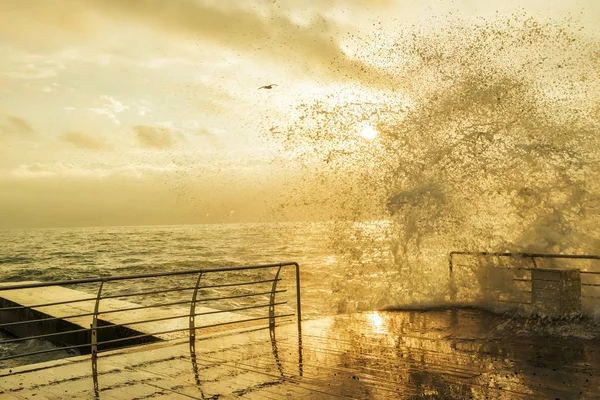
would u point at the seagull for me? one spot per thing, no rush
(268, 86)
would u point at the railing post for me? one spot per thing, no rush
(299, 316)
(275, 351)
(192, 329)
(298, 307)
(451, 283)
(272, 300)
(94, 340)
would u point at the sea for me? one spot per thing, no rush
(319, 248)
(344, 267)
(77, 253)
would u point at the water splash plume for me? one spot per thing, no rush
(487, 138)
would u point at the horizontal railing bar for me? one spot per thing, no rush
(91, 313)
(518, 290)
(238, 284)
(239, 296)
(187, 302)
(107, 297)
(87, 345)
(147, 275)
(119, 295)
(521, 280)
(529, 269)
(181, 289)
(132, 295)
(514, 302)
(23, 339)
(45, 319)
(144, 307)
(244, 320)
(47, 304)
(590, 284)
(535, 255)
(238, 309)
(130, 337)
(33, 353)
(187, 329)
(186, 316)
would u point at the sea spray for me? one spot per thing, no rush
(488, 140)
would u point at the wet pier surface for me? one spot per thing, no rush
(445, 354)
(75, 310)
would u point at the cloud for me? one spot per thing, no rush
(210, 135)
(85, 141)
(115, 105)
(110, 108)
(205, 132)
(95, 170)
(12, 125)
(106, 112)
(266, 35)
(143, 110)
(366, 3)
(154, 137)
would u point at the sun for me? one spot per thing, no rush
(368, 132)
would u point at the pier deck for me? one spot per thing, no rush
(446, 354)
(77, 308)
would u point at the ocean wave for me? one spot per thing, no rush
(15, 260)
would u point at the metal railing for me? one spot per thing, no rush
(171, 305)
(521, 275)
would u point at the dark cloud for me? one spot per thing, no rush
(273, 36)
(85, 141)
(154, 137)
(14, 126)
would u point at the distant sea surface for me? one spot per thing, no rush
(74, 253)
(340, 264)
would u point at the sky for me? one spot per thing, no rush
(126, 112)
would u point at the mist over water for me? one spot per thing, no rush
(488, 141)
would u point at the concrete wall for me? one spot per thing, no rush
(556, 293)
(61, 325)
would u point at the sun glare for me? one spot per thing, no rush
(369, 133)
(377, 322)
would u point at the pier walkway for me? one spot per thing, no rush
(237, 332)
(75, 309)
(447, 354)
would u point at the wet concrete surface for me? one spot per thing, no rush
(439, 354)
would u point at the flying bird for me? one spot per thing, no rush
(268, 86)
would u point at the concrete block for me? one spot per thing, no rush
(555, 292)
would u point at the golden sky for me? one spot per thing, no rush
(147, 111)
